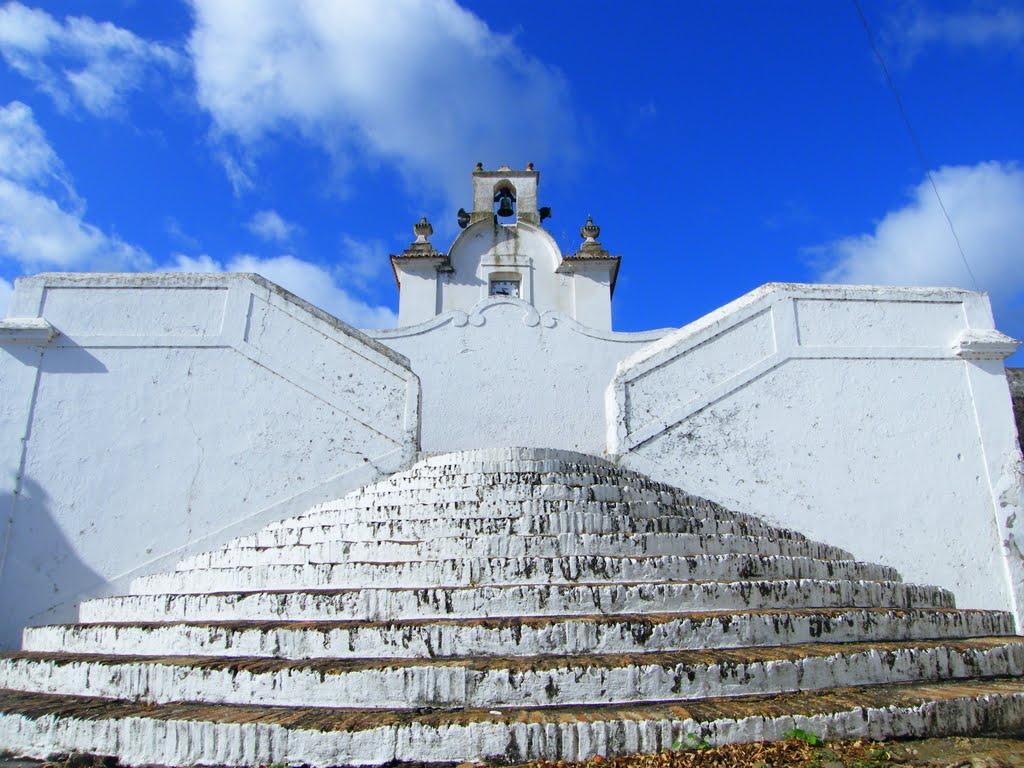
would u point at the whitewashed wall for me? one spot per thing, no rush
(147, 416)
(876, 419)
(523, 249)
(504, 375)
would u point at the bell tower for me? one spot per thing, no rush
(504, 254)
(505, 194)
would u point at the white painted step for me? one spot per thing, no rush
(445, 508)
(513, 495)
(429, 480)
(531, 600)
(554, 523)
(533, 637)
(508, 682)
(247, 551)
(508, 571)
(181, 734)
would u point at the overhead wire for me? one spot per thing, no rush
(913, 136)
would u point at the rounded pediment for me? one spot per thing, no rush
(491, 243)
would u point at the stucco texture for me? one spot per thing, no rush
(170, 412)
(1016, 379)
(875, 419)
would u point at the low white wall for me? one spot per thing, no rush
(149, 416)
(875, 419)
(504, 375)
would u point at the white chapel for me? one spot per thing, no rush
(238, 531)
(504, 250)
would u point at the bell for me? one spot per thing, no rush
(505, 206)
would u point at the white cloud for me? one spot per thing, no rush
(239, 171)
(306, 280)
(41, 216)
(25, 154)
(80, 61)
(999, 26)
(6, 289)
(909, 29)
(362, 261)
(913, 245)
(39, 231)
(185, 263)
(269, 226)
(423, 84)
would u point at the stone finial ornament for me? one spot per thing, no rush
(479, 166)
(590, 231)
(421, 247)
(422, 230)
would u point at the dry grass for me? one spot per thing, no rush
(797, 753)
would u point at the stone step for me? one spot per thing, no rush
(515, 458)
(261, 550)
(37, 725)
(508, 571)
(425, 480)
(509, 681)
(515, 493)
(379, 509)
(540, 636)
(509, 601)
(574, 522)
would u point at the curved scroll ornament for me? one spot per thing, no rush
(531, 318)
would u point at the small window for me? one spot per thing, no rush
(505, 288)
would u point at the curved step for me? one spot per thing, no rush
(184, 734)
(257, 550)
(509, 571)
(529, 600)
(538, 636)
(445, 508)
(565, 521)
(509, 681)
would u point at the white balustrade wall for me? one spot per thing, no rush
(143, 417)
(876, 419)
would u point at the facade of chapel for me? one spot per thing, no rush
(503, 250)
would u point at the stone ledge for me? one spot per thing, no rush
(26, 330)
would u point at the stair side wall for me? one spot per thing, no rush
(876, 419)
(1016, 379)
(169, 413)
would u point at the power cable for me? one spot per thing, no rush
(913, 137)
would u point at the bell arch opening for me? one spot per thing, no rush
(504, 199)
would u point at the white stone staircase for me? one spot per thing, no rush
(506, 605)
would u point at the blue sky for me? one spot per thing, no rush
(719, 145)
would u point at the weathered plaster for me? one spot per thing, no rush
(1016, 380)
(166, 413)
(504, 374)
(445, 655)
(876, 419)
(431, 282)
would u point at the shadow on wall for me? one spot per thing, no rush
(38, 566)
(1016, 378)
